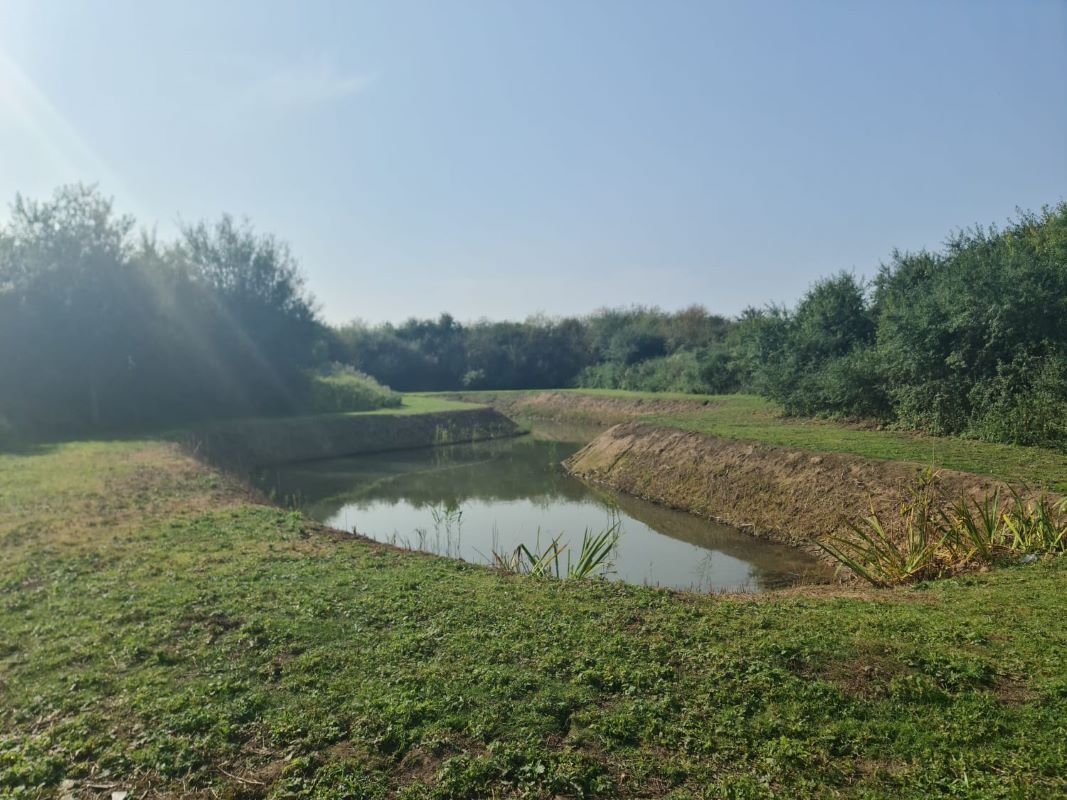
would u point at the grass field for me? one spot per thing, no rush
(161, 633)
(755, 419)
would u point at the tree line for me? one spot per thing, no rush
(968, 340)
(104, 327)
(609, 347)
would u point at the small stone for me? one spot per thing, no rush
(119, 795)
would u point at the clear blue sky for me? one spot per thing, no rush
(504, 158)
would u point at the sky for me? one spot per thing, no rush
(500, 159)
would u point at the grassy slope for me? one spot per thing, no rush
(159, 629)
(752, 418)
(421, 404)
(410, 404)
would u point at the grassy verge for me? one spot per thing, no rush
(160, 632)
(423, 404)
(751, 418)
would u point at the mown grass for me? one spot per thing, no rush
(159, 631)
(754, 419)
(422, 404)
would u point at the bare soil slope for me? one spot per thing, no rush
(790, 495)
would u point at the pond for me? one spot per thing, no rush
(473, 500)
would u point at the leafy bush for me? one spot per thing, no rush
(971, 340)
(680, 372)
(697, 372)
(344, 389)
(1025, 402)
(818, 358)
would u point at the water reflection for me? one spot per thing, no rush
(468, 501)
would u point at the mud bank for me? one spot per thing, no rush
(246, 444)
(793, 496)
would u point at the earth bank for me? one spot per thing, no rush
(264, 441)
(794, 496)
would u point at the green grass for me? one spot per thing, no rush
(410, 404)
(423, 404)
(161, 632)
(751, 418)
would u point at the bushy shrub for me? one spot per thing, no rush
(970, 341)
(1024, 403)
(818, 358)
(681, 372)
(343, 389)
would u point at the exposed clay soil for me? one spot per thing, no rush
(789, 495)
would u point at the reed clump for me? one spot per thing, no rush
(557, 560)
(943, 537)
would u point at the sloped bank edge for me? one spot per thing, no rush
(247, 444)
(790, 496)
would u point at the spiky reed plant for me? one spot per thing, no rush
(594, 558)
(975, 530)
(877, 557)
(1038, 526)
(939, 540)
(596, 555)
(541, 564)
(447, 520)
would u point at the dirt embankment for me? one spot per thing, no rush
(593, 409)
(245, 444)
(794, 496)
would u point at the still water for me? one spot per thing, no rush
(469, 501)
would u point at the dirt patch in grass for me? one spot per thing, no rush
(1013, 692)
(867, 676)
(793, 496)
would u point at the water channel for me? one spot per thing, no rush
(471, 500)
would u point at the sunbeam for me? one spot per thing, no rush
(42, 147)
